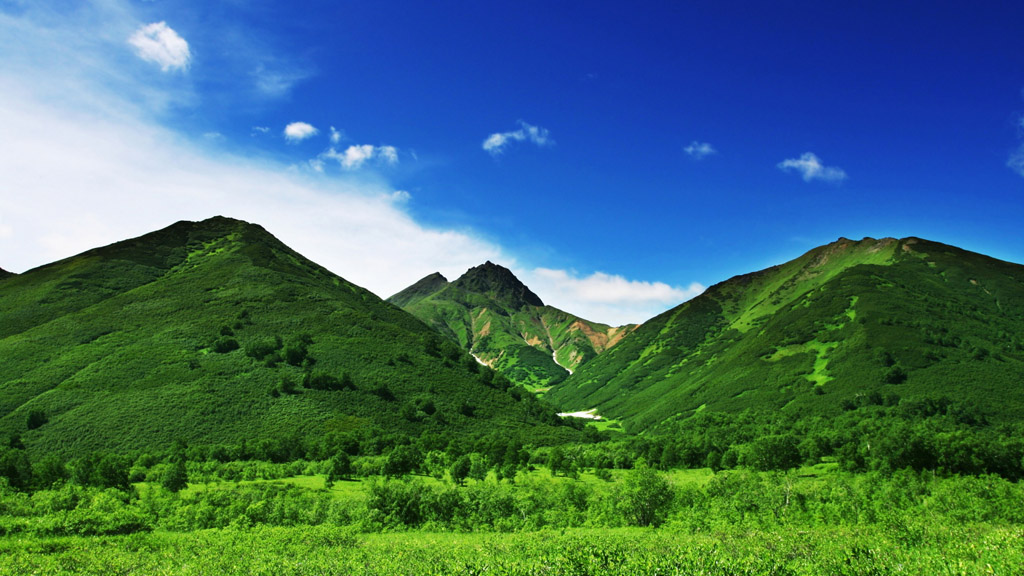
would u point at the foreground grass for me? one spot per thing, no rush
(976, 549)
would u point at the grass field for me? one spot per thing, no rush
(325, 550)
(809, 521)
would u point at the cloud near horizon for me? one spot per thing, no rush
(160, 44)
(91, 164)
(810, 168)
(496, 143)
(606, 298)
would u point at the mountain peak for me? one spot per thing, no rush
(498, 283)
(421, 289)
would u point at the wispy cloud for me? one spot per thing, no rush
(496, 143)
(810, 168)
(353, 157)
(299, 131)
(1016, 161)
(336, 135)
(259, 130)
(276, 82)
(85, 149)
(608, 298)
(92, 164)
(160, 44)
(700, 150)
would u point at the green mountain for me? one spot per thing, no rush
(419, 290)
(489, 312)
(844, 324)
(5, 274)
(216, 332)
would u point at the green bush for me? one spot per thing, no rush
(225, 344)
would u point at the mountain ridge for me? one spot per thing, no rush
(216, 332)
(492, 314)
(499, 284)
(908, 317)
(418, 290)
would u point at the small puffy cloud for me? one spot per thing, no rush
(400, 196)
(496, 143)
(607, 298)
(1016, 161)
(336, 135)
(355, 156)
(299, 131)
(160, 44)
(700, 150)
(811, 168)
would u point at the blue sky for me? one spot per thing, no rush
(618, 157)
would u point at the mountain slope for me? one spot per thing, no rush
(420, 290)
(886, 318)
(207, 332)
(489, 312)
(5, 274)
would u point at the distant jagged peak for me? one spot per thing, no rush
(865, 242)
(843, 249)
(499, 283)
(435, 278)
(423, 287)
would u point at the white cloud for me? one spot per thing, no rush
(811, 168)
(336, 135)
(160, 44)
(355, 156)
(496, 143)
(84, 162)
(606, 298)
(116, 180)
(89, 164)
(276, 82)
(259, 130)
(700, 150)
(299, 131)
(1016, 161)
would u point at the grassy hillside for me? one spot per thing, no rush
(419, 290)
(847, 323)
(215, 332)
(489, 312)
